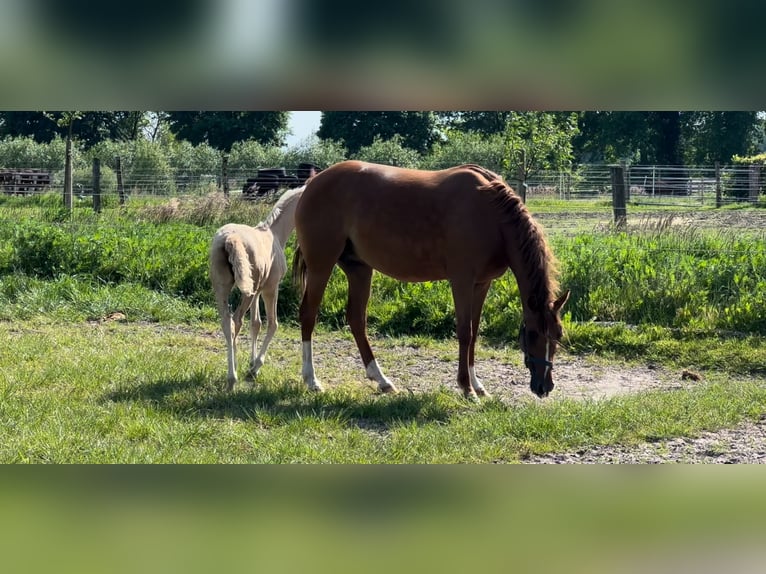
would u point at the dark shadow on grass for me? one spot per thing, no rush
(275, 404)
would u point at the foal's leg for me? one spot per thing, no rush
(227, 326)
(312, 297)
(359, 281)
(255, 330)
(462, 293)
(270, 303)
(479, 295)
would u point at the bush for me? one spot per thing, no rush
(467, 147)
(389, 152)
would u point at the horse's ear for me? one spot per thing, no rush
(559, 303)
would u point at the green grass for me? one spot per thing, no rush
(122, 392)
(148, 388)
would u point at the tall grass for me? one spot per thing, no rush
(662, 275)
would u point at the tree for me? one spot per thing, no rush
(90, 128)
(487, 123)
(356, 130)
(543, 140)
(222, 129)
(665, 137)
(718, 136)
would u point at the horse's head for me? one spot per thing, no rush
(538, 341)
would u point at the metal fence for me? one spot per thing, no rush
(653, 184)
(645, 184)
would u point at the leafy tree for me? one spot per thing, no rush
(719, 136)
(665, 137)
(223, 129)
(542, 139)
(482, 122)
(358, 129)
(90, 127)
(389, 152)
(320, 153)
(467, 147)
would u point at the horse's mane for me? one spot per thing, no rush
(540, 262)
(279, 206)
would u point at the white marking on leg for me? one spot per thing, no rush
(475, 382)
(307, 371)
(384, 383)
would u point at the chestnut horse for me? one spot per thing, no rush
(463, 224)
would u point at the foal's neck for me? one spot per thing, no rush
(282, 227)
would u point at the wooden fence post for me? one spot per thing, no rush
(120, 188)
(68, 175)
(97, 185)
(618, 196)
(225, 175)
(718, 199)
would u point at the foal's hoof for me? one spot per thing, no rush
(471, 396)
(482, 392)
(389, 388)
(316, 387)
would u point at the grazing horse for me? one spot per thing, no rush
(253, 259)
(462, 224)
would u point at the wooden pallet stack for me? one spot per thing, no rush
(24, 181)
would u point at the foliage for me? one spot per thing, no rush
(25, 152)
(675, 278)
(90, 127)
(356, 130)
(251, 155)
(543, 139)
(467, 147)
(389, 152)
(222, 130)
(322, 153)
(486, 123)
(665, 138)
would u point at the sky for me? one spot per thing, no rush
(302, 124)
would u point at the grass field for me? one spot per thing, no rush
(77, 386)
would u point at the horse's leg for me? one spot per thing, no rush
(462, 293)
(479, 295)
(270, 304)
(312, 297)
(255, 330)
(239, 314)
(227, 326)
(359, 277)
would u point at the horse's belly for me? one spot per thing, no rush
(405, 264)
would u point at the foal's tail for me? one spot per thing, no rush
(240, 263)
(299, 271)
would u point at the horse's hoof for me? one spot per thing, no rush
(316, 387)
(471, 396)
(483, 393)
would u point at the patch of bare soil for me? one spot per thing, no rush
(424, 369)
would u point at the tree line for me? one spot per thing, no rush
(545, 140)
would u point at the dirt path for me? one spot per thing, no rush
(422, 369)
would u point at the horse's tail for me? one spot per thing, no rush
(299, 271)
(240, 263)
